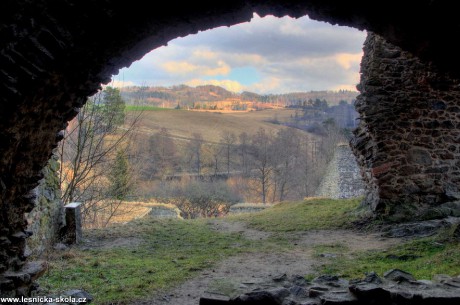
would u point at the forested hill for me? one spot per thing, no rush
(186, 96)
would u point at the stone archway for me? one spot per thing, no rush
(55, 54)
(407, 142)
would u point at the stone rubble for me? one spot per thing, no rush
(419, 228)
(397, 287)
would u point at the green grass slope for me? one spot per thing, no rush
(155, 254)
(305, 215)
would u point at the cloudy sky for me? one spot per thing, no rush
(266, 55)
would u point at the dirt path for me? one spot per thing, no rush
(249, 269)
(222, 225)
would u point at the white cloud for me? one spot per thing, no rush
(179, 67)
(287, 54)
(184, 68)
(267, 85)
(230, 85)
(292, 29)
(244, 59)
(204, 54)
(348, 60)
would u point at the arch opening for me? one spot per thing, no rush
(298, 70)
(43, 83)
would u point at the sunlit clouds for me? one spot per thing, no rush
(186, 68)
(267, 55)
(347, 60)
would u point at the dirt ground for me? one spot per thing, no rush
(242, 271)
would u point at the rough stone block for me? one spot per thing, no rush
(35, 269)
(79, 294)
(339, 298)
(72, 232)
(214, 299)
(397, 275)
(369, 292)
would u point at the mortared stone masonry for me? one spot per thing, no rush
(408, 138)
(54, 54)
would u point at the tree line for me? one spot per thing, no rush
(262, 167)
(103, 166)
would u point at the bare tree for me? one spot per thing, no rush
(244, 152)
(194, 153)
(305, 166)
(89, 148)
(228, 140)
(263, 157)
(286, 160)
(162, 154)
(215, 152)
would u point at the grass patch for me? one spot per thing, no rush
(303, 216)
(423, 258)
(337, 248)
(167, 252)
(170, 252)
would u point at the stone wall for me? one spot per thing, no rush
(54, 54)
(164, 211)
(42, 230)
(45, 220)
(408, 139)
(248, 208)
(396, 287)
(342, 178)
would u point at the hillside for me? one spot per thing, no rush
(216, 97)
(195, 143)
(182, 124)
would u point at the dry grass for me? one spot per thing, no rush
(182, 123)
(130, 210)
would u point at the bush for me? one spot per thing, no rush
(199, 198)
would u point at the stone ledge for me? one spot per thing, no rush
(20, 282)
(397, 288)
(420, 228)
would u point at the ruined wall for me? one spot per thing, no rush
(408, 139)
(164, 211)
(342, 178)
(248, 208)
(42, 230)
(44, 221)
(54, 54)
